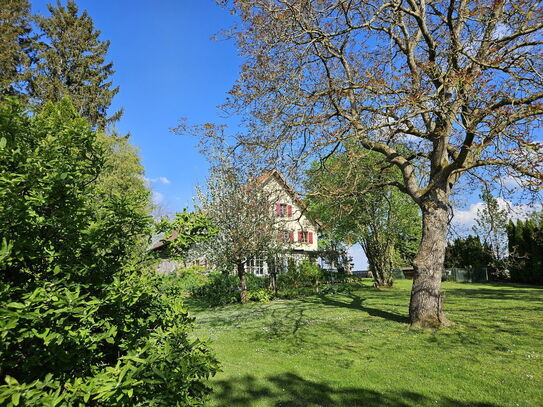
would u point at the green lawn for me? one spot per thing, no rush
(354, 348)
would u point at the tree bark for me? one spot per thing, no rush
(380, 261)
(426, 305)
(242, 283)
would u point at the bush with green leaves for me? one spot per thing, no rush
(297, 275)
(185, 280)
(220, 289)
(80, 323)
(260, 295)
(223, 288)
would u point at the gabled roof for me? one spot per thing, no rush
(276, 174)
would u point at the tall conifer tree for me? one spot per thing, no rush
(16, 45)
(72, 63)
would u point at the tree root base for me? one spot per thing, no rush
(431, 322)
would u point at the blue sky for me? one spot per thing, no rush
(167, 67)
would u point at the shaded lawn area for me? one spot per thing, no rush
(353, 348)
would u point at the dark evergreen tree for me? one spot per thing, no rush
(468, 253)
(71, 63)
(16, 45)
(526, 251)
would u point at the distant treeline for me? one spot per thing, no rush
(526, 251)
(523, 264)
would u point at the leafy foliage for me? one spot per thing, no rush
(80, 323)
(184, 231)
(297, 275)
(345, 195)
(468, 252)
(526, 250)
(220, 289)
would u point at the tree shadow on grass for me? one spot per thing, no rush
(356, 302)
(517, 293)
(291, 390)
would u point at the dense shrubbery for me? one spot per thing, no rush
(79, 323)
(185, 280)
(306, 273)
(222, 289)
(526, 250)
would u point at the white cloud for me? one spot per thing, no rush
(161, 180)
(466, 218)
(158, 197)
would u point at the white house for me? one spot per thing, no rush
(295, 230)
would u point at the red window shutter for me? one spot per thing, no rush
(291, 236)
(310, 237)
(278, 209)
(289, 211)
(279, 236)
(300, 236)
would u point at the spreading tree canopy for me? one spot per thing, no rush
(436, 88)
(385, 222)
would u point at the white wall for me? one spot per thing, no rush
(295, 223)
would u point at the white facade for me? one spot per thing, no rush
(302, 233)
(294, 229)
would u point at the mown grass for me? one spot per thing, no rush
(354, 348)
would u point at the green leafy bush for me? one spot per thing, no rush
(220, 289)
(78, 324)
(306, 273)
(260, 295)
(257, 282)
(184, 280)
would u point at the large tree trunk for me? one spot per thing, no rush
(426, 305)
(380, 261)
(242, 283)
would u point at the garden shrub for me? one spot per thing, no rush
(184, 280)
(80, 324)
(257, 282)
(220, 289)
(306, 273)
(260, 295)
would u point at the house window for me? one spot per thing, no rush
(256, 266)
(305, 237)
(284, 210)
(284, 236)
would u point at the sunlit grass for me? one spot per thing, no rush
(354, 348)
